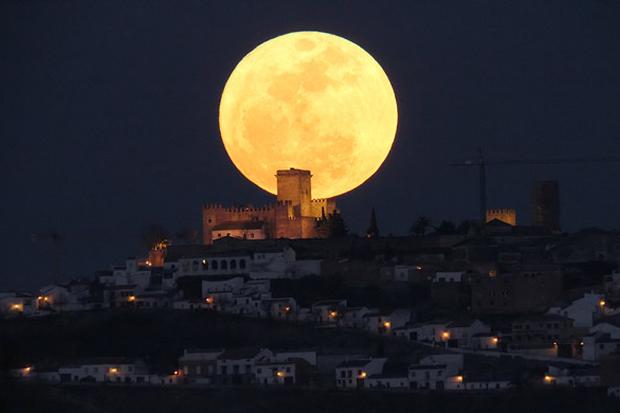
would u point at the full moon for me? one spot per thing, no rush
(308, 100)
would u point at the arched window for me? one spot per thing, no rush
(214, 264)
(233, 264)
(205, 264)
(223, 265)
(242, 263)
(194, 266)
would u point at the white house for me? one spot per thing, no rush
(13, 304)
(597, 345)
(152, 299)
(430, 332)
(225, 284)
(453, 362)
(329, 311)
(378, 322)
(105, 369)
(448, 277)
(308, 355)
(192, 305)
(353, 373)
(460, 333)
(272, 372)
(268, 263)
(393, 377)
(427, 376)
(283, 308)
(72, 296)
(484, 341)
(606, 327)
(249, 304)
(613, 391)
(572, 377)
(478, 382)
(238, 366)
(200, 365)
(584, 311)
(405, 273)
(354, 317)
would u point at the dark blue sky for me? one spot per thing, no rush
(109, 113)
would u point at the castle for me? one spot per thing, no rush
(294, 215)
(506, 215)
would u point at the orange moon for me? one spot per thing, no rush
(308, 100)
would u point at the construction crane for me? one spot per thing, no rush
(481, 162)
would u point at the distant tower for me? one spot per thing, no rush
(373, 228)
(507, 215)
(294, 186)
(546, 205)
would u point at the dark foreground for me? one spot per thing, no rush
(46, 398)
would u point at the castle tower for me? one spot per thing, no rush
(546, 204)
(294, 186)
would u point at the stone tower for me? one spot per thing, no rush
(294, 186)
(546, 205)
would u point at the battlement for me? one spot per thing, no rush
(507, 215)
(500, 211)
(248, 209)
(293, 172)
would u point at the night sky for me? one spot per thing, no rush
(109, 114)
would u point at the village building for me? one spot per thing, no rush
(17, 303)
(557, 375)
(509, 292)
(460, 333)
(105, 369)
(353, 373)
(238, 366)
(200, 365)
(329, 311)
(583, 311)
(427, 376)
(393, 377)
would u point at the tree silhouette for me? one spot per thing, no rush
(336, 225)
(154, 234)
(187, 236)
(373, 228)
(464, 227)
(445, 228)
(420, 226)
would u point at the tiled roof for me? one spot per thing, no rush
(353, 363)
(239, 354)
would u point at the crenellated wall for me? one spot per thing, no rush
(293, 215)
(507, 215)
(328, 205)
